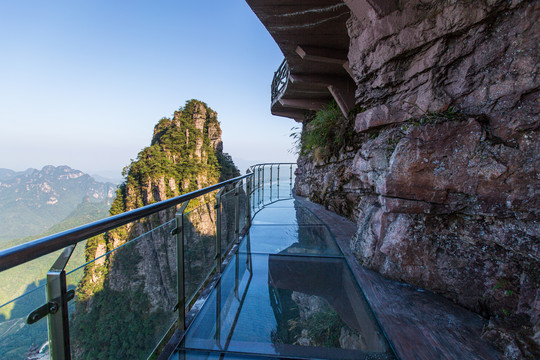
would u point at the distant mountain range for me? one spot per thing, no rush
(33, 201)
(36, 203)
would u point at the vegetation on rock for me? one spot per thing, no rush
(125, 299)
(324, 133)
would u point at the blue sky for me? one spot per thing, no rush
(82, 83)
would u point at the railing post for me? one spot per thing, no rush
(271, 183)
(251, 195)
(180, 268)
(258, 185)
(218, 229)
(290, 178)
(248, 190)
(236, 275)
(237, 212)
(278, 181)
(217, 335)
(262, 190)
(57, 298)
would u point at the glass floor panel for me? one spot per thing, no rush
(287, 306)
(216, 355)
(229, 355)
(291, 239)
(282, 216)
(287, 293)
(279, 203)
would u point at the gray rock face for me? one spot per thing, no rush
(449, 202)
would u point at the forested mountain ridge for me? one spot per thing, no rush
(185, 154)
(32, 201)
(16, 281)
(17, 337)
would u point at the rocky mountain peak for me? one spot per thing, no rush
(185, 154)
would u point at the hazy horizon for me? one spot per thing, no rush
(109, 175)
(83, 84)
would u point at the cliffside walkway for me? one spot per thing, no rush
(419, 323)
(287, 292)
(259, 274)
(290, 291)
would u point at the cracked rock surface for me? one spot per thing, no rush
(448, 203)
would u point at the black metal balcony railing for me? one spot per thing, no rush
(228, 206)
(281, 78)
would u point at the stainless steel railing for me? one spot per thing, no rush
(277, 176)
(280, 81)
(32, 250)
(56, 308)
(237, 199)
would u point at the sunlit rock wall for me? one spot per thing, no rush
(442, 172)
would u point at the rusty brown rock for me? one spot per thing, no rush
(452, 202)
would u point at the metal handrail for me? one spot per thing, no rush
(57, 294)
(280, 80)
(278, 163)
(26, 252)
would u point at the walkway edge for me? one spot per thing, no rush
(419, 324)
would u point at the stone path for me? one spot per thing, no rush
(418, 323)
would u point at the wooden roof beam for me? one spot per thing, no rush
(341, 88)
(324, 55)
(305, 104)
(297, 115)
(348, 69)
(344, 98)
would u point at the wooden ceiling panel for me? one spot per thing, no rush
(311, 24)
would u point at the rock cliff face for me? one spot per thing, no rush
(441, 165)
(128, 295)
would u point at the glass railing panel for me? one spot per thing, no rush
(19, 340)
(265, 177)
(272, 174)
(218, 321)
(267, 192)
(243, 207)
(292, 306)
(268, 197)
(23, 278)
(125, 297)
(232, 290)
(199, 246)
(22, 290)
(227, 221)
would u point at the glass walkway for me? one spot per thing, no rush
(237, 270)
(287, 293)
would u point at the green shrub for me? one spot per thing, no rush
(324, 131)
